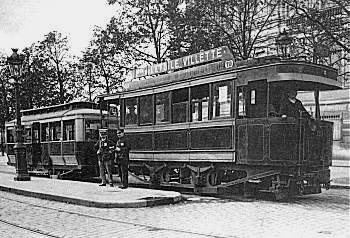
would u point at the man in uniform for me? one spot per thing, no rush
(105, 149)
(122, 158)
(292, 107)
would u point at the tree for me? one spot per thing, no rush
(190, 31)
(37, 88)
(321, 30)
(5, 93)
(107, 60)
(331, 20)
(54, 49)
(147, 22)
(243, 25)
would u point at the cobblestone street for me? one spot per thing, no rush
(322, 215)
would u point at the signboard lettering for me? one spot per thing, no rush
(184, 62)
(157, 68)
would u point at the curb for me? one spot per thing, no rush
(339, 186)
(146, 202)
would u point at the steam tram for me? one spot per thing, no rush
(59, 139)
(211, 123)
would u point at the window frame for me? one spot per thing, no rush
(231, 90)
(65, 135)
(137, 111)
(140, 122)
(200, 103)
(169, 96)
(182, 102)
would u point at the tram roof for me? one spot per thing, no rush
(53, 116)
(72, 109)
(273, 69)
(60, 107)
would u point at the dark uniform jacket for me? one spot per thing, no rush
(123, 154)
(104, 150)
(293, 109)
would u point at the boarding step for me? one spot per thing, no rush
(254, 178)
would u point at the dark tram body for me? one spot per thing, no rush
(209, 122)
(59, 139)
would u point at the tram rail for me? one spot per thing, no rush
(80, 214)
(31, 230)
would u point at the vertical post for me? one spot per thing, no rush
(300, 142)
(317, 104)
(15, 61)
(101, 112)
(19, 148)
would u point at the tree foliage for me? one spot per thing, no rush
(54, 49)
(147, 21)
(106, 61)
(329, 19)
(321, 30)
(242, 25)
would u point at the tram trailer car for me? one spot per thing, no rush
(59, 139)
(208, 122)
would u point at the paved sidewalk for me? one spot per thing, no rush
(340, 174)
(82, 193)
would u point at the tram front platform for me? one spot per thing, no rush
(83, 193)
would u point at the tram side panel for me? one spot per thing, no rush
(275, 141)
(289, 147)
(213, 144)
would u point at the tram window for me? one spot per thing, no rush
(114, 114)
(180, 105)
(130, 111)
(27, 136)
(222, 96)
(10, 135)
(241, 103)
(91, 130)
(146, 109)
(36, 135)
(68, 130)
(200, 103)
(55, 129)
(45, 132)
(162, 107)
(253, 97)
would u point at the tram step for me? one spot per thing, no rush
(255, 177)
(206, 190)
(39, 172)
(265, 191)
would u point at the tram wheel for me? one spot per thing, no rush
(193, 178)
(212, 178)
(165, 176)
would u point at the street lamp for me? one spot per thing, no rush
(15, 62)
(283, 43)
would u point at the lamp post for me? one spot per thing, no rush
(15, 62)
(283, 43)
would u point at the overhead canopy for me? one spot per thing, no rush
(304, 76)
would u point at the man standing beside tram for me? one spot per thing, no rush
(122, 158)
(105, 148)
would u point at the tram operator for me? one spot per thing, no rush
(122, 158)
(292, 107)
(105, 150)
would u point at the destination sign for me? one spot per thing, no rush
(202, 57)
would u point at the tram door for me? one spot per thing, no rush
(257, 99)
(252, 111)
(36, 145)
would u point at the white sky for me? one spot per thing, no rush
(23, 22)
